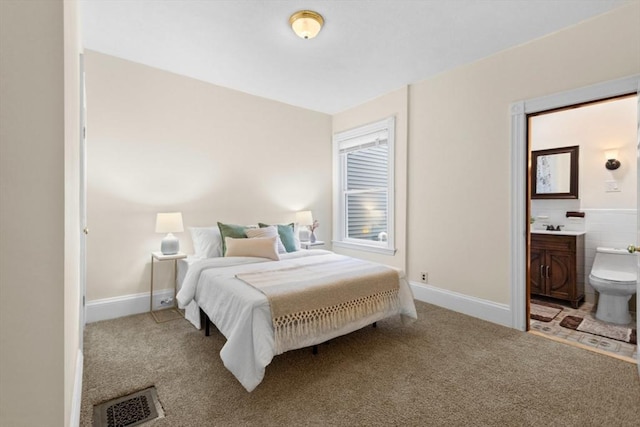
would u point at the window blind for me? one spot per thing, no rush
(366, 189)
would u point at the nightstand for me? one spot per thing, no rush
(159, 256)
(309, 245)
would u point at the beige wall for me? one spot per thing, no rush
(72, 292)
(156, 141)
(38, 337)
(392, 104)
(595, 128)
(161, 142)
(459, 144)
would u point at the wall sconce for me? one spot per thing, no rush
(169, 223)
(612, 162)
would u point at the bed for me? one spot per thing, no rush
(224, 289)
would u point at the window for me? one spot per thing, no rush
(363, 187)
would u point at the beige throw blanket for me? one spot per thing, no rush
(320, 297)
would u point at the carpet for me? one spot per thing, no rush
(167, 314)
(544, 311)
(596, 327)
(445, 369)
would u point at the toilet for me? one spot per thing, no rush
(614, 275)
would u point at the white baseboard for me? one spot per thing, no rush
(111, 308)
(77, 392)
(465, 304)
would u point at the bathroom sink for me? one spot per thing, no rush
(560, 233)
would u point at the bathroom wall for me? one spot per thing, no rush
(595, 128)
(610, 217)
(613, 228)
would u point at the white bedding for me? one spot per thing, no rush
(242, 312)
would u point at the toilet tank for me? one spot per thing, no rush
(618, 260)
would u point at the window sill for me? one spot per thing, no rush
(366, 248)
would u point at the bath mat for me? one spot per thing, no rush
(544, 311)
(128, 411)
(603, 329)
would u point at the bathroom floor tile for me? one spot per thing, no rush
(610, 345)
(602, 344)
(627, 353)
(590, 341)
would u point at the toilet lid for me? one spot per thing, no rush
(614, 276)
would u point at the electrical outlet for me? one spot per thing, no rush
(424, 277)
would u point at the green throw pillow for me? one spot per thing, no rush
(231, 230)
(285, 231)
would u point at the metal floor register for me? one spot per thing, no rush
(128, 411)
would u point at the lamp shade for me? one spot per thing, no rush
(169, 222)
(304, 218)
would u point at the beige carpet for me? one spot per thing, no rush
(445, 369)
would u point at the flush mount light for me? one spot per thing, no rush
(306, 23)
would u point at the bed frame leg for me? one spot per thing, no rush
(375, 324)
(205, 319)
(315, 349)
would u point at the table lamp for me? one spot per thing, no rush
(169, 223)
(305, 218)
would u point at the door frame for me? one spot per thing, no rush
(519, 227)
(82, 316)
(638, 221)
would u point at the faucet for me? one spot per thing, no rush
(552, 228)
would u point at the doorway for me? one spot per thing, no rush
(519, 226)
(568, 150)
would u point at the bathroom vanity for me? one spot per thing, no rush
(557, 265)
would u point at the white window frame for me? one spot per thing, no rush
(351, 138)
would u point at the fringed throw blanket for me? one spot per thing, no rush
(317, 298)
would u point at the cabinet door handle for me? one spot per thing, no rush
(547, 271)
(542, 271)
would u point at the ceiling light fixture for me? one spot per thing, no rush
(306, 23)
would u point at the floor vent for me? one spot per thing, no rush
(128, 411)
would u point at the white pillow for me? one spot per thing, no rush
(207, 242)
(271, 231)
(262, 247)
(296, 236)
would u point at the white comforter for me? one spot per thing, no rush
(242, 312)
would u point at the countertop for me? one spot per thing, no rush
(559, 233)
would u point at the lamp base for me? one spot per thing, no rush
(170, 245)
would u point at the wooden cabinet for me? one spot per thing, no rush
(557, 267)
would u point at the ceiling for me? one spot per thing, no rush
(367, 47)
